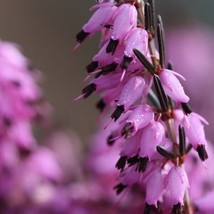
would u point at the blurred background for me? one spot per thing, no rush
(46, 31)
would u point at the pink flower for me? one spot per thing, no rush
(176, 184)
(172, 86)
(125, 20)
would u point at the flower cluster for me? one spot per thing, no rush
(153, 121)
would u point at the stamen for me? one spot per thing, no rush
(177, 209)
(121, 163)
(170, 66)
(123, 75)
(126, 61)
(149, 209)
(119, 188)
(202, 152)
(111, 139)
(92, 66)
(81, 36)
(127, 130)
(133, 160)
(101, 105)
(88, 90)
(111, 48)
(142, 164)
(117, 113)
(186, 108)
(109, 68)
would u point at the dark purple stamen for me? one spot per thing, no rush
(109, 68)
(92, 66)
(101, 105)
(127, 130)
(202, 152)
(119, 188)
(177, 209)
(133, 160)
(142, 164)
(81, 36)
(117, 113)
(126, 61)
(112, 45)
(88, 90)
(121, 163)
(149, 209)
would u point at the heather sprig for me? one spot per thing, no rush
(154, 120)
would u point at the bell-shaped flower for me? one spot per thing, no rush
(172, 86)
(139, 118)
(125, 20)
(152, 135)
(177, 183)
(98, 20)
(196, 135)
(154, 187)
(195, 130)
(137, 39)
(131, 92)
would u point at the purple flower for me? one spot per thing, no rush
(152, 118)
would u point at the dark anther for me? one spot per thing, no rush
(109, 26)
(24, 153)
(182, 140)
(170, 66)
(16, 83)
(133, 160)
(202, 152)
(126, 61)
(101, 105)
(149, 209)
(109, 68)
(92, 66)
(112, 45)
(121, 163)
(177, 209)
(88, 90)
(186, 108)
(117, 113)
(144, 61)
(111, 139)
(142, 164)
(127, 130)
(161, 46)
(165, 153)
(119, 188)
(148, 17)
(161, 94)
(7, 121)
(81, 36)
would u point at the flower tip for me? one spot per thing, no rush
(202, 152)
